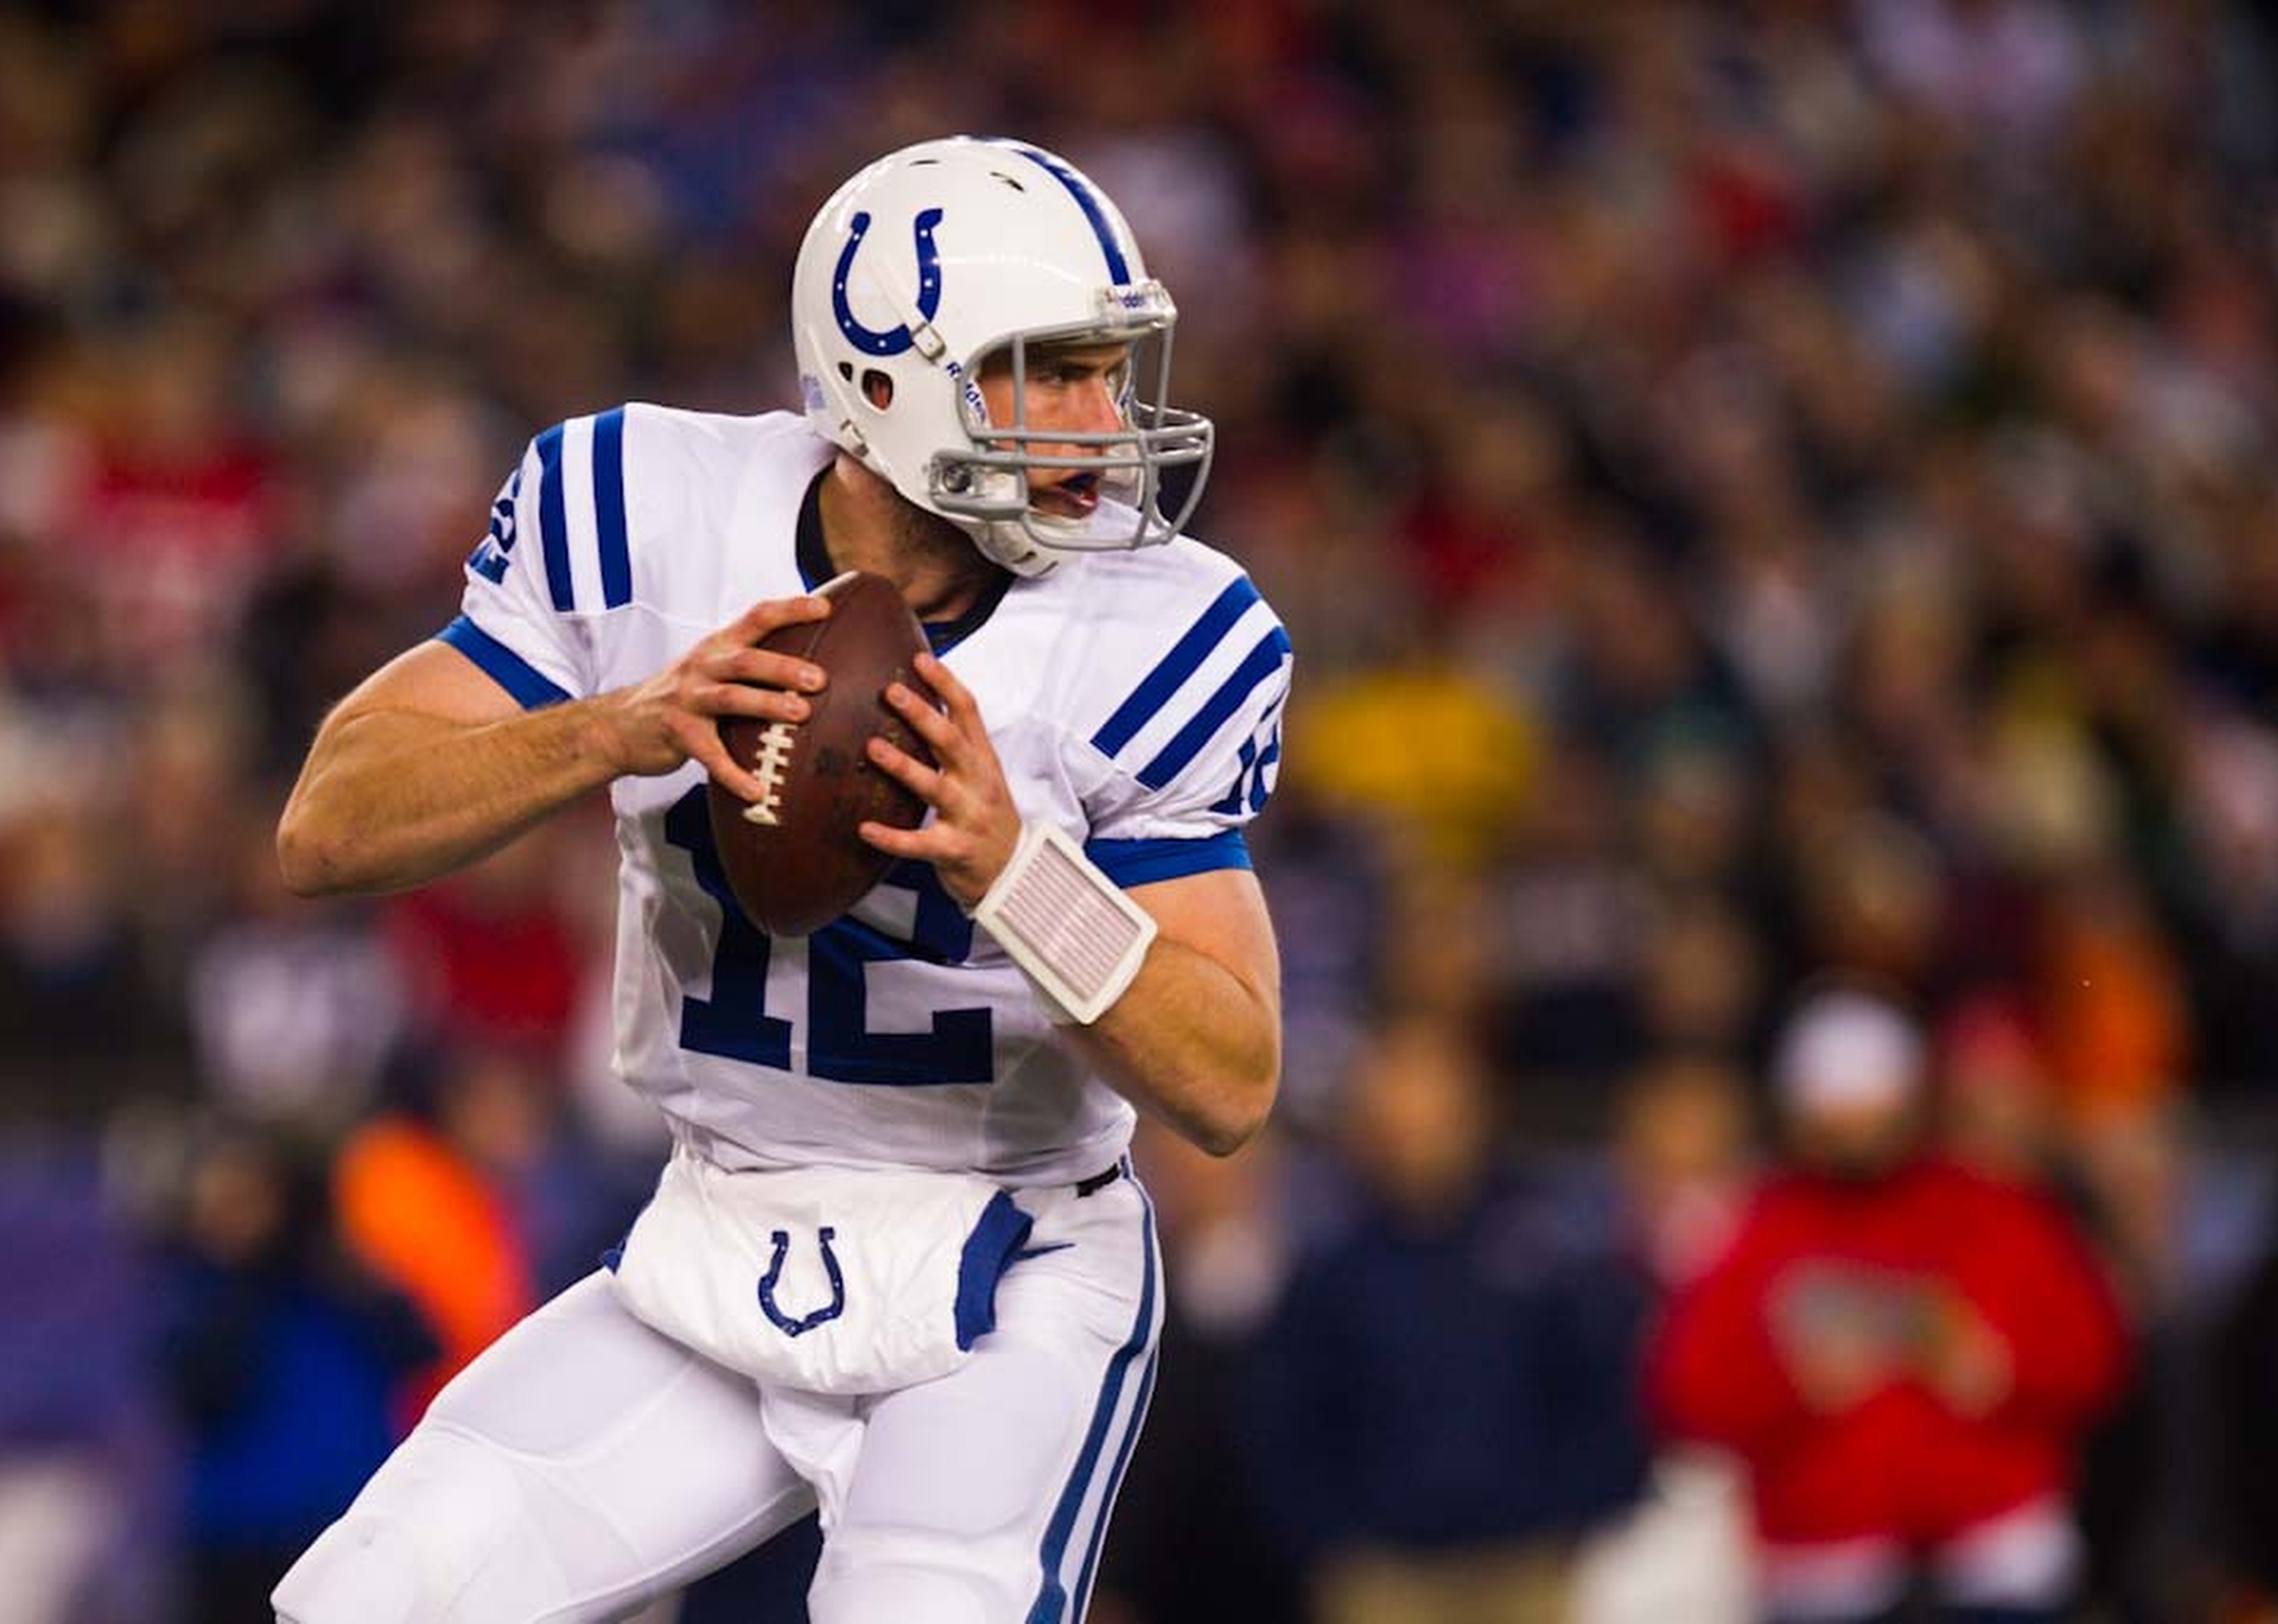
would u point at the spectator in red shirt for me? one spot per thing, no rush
(1904, 1353)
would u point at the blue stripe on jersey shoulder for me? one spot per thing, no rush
(1143, 862)
(1258, 664)
(1173, 669)
(531, 688)
(609, 508)
(552, 521)
(1118, 269)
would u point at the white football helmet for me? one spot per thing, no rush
(931, 262)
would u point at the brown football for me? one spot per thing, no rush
(793, 858)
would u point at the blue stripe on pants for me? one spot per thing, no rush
(1115, 1485)
(1051, 1604)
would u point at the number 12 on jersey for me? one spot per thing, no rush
(734, 1022)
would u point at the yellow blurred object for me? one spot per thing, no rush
(1505, 1584)
(1435, 754)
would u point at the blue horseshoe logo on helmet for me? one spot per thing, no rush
(893, 341)
(823, 1315)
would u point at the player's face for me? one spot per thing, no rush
(1078, 387)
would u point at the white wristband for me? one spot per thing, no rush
(1069, 927)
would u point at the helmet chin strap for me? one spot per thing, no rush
(1005, 542)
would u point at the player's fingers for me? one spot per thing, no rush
(940, 733)
(766, 668)
(740, 698)
(926, 782)
(964, 711)
(910, 843)
(963, 707)
(703, 745)
(772, 614)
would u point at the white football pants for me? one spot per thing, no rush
(585, 1465)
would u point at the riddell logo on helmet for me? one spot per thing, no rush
(974, 400)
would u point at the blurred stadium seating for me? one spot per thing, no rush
(1757, 489)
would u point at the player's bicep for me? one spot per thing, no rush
(437, 681)
(1220, 914)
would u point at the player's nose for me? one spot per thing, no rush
(1096, 409)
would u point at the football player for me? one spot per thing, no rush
(924, 1107)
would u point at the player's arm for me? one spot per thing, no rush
(431, 764)
(1197, 1037)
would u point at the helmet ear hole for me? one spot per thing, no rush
(877, 387)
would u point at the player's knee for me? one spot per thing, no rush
(850, 1589)
(441, 1535)
(361, 1571)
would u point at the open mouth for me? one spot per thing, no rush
(1074, 497)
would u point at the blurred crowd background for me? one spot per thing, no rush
(1768, 497)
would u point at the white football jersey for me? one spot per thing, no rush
(1135, 699)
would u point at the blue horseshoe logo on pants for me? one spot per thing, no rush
(893, 341)
(823, 1315)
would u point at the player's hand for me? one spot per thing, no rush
(975, 826)
(675, 716)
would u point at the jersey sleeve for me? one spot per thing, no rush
(1192, 744)
(559, 520)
